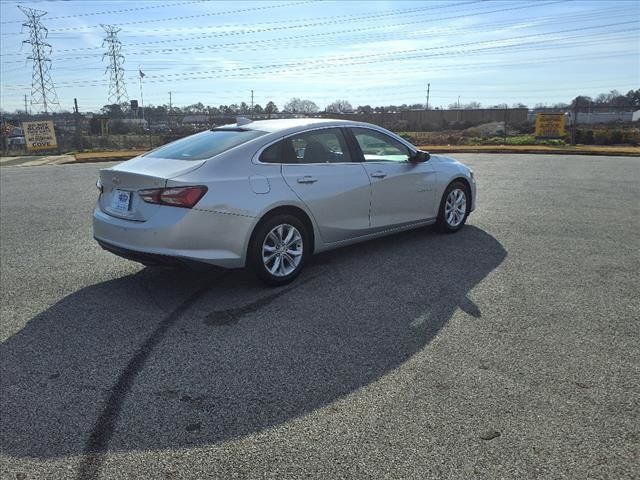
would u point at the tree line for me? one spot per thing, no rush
(304, 106)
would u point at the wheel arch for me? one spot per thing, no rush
(467, 184)
(286, 210)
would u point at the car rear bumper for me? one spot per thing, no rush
(147, 258)
(177, 236)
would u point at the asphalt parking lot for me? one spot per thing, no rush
(508, 350)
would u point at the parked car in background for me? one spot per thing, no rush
(269, 194)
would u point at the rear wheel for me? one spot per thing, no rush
(278, 249)
(454, 207)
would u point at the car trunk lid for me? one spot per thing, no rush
(121, 184)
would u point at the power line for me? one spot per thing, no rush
(351, 17)
(313, 21)
(313, 35)
(124, 10)
(306, 65)
(304, 21)
(402, 55)
(466, 66)
(295, 38)
(323, 64)
(278, 42)
(308, 70)
(185, 17)
(117, 87)
(42, 89)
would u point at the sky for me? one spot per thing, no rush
(366, 52)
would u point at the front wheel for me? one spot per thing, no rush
(278, 249)
(454, 208)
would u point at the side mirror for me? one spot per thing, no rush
(420, 157)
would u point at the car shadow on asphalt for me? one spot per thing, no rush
(234, 359)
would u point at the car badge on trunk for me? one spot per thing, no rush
(115, 180)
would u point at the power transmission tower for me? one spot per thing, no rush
(42, 90)
(117, 88)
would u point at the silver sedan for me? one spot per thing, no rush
(268, 194)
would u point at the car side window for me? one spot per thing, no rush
(318, 146)
(272, 154)
(378, 147)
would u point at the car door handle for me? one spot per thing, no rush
(378, 174)
(307, 179)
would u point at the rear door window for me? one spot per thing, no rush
(318, 146)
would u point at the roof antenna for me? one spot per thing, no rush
(242, 121)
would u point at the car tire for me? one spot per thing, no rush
(279, 249)
(454, 207)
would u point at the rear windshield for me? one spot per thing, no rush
(205, 144)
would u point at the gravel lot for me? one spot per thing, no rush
(508, 350)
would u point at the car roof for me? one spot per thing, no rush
(285, 124)
(282, 127)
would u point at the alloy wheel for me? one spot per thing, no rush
(455, 207)
(282, 250)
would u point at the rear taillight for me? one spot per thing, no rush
(184, 197)
(99, 186)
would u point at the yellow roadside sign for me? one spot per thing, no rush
(39, 135)
(550, 125)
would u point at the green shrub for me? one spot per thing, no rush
(584, 137)
(617, 136)
(521, 140)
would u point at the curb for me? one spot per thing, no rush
(99, 157)
(557, 151)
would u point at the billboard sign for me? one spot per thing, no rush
(40, 135)
(550, 125)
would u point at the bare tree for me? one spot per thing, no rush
(633, 97)
(270, 108)
(297, 105)
(244, 109)
(339, 106)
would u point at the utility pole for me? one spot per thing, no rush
(26, 112)
(505, 124)
(251, 104)
(428, 88)
(170, 107)
(575, 122)
(142, 75)
(78, 132)
(42, 89)
(117, 88)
